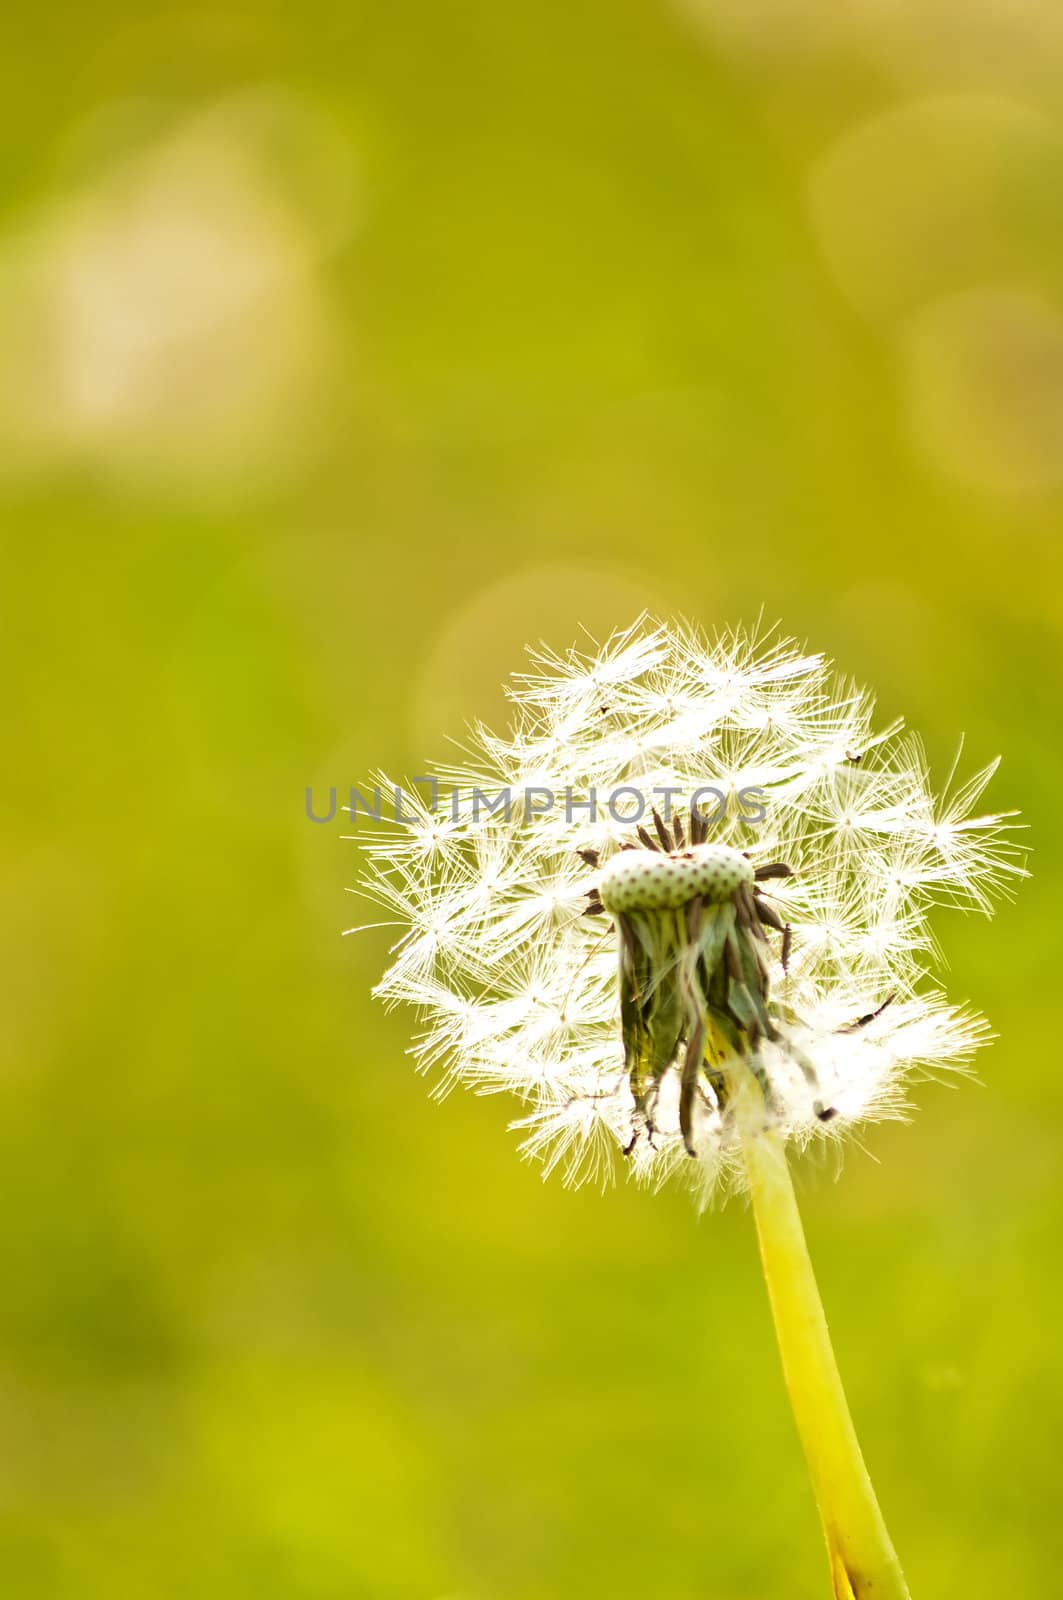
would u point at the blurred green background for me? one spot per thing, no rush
(344, 349)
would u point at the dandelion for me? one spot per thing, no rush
(681, 914)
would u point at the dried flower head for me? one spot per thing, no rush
(723, 815)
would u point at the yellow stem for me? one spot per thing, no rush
(863, 1561)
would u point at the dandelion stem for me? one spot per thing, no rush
(862, 1558)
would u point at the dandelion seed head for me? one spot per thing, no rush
(516, 987)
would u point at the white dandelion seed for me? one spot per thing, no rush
(517, 988)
